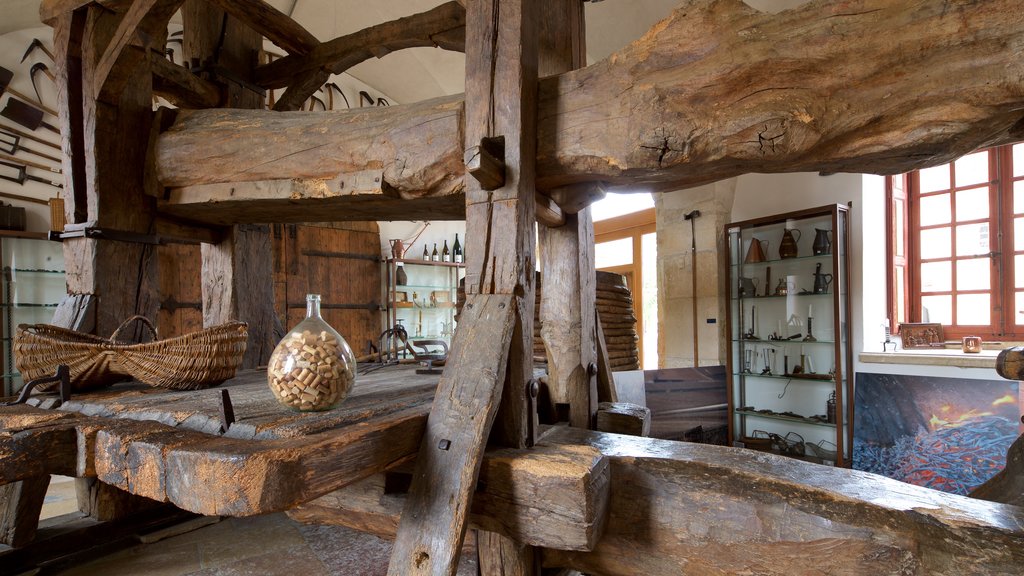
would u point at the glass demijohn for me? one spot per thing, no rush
(313, 367)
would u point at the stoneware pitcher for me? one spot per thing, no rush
(788, 248)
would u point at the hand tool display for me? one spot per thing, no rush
(5, 81)
(26, 115)
(10, 143)
(19, 173)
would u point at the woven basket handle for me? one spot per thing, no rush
(152, 329)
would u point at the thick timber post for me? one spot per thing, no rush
(238, 271)
(567, 252)
(500, 127)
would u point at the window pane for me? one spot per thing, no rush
(936, 277)
(972, 169)
(934, 209)
(937, 309)
(936, 243)
(1018, 159)
(973, 274)
(973, 309)
(935, 179)
(1018, 271)
(901, 287)
(972, 239)
(1018, 234)
(899, 232)
(1018, 197)
(613, 205)
(972, 204)
(613, 253)
(1018, 310)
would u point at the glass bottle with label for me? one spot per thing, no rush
(426, 254)
(446, 255)
(457, 251)
(435, 256)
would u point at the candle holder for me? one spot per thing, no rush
(810, 337)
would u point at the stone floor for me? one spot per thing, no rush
(259, 546)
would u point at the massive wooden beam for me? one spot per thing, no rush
(716, 90)
(268, 21)
(443, 26)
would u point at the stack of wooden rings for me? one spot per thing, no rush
(614, 308)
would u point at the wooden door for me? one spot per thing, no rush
(181, 291)
(341, 262)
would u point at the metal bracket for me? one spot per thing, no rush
(63, 376)
(532, 418)
(227, 411)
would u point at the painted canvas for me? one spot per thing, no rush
(950, 434)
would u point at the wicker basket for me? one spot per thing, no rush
(188, 362)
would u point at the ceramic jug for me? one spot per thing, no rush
(788, 247)
(397, 248)
(822, 244)
(756, 252)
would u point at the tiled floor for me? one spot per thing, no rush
(259, 546)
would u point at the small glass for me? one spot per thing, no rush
(312, 368)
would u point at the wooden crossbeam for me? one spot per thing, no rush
(158, 12)
(277, 26)
(181, 87)
(443, 26)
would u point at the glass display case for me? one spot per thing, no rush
(32, 287)
(421, 296)
(790, 361)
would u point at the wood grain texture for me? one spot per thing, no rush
(839, 101)
(180, 87)
(272, 23)
(679, 508)
(546, 496)
(20, 504)
(434, 518)
(624, 418)
(441, 26)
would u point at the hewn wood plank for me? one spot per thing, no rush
(639, 120)
(108, 83)
(545, 496)
(272, 23)
(624, 418)
(443, 26)
(67, 46)
(20, 504)
(605, 380)
(36, 443)
(180, 87)
(502, 556)
(434, 518)
(680, 508)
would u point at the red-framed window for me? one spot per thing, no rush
(956, 245)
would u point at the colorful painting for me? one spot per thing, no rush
(950, 434)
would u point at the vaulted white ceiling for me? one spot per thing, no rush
(421, 73)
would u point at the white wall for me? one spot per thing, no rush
(438, 231)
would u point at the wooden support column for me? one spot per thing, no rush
(237, 272)
(20, 504)
(567, 252)
(501, 100)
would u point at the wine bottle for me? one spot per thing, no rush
(457, 251)
(446, 256)
(434, 255)
(426, 254)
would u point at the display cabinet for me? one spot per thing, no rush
(32, 286)
(790, 361)
(421, 297)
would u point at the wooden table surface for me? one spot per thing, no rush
(167, 445)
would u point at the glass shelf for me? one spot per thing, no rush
(784, 296)
(784, 418)
(407, 287)
(37, 271)
(777, 342)
(829, 380)
(820, 257)
(28, 305)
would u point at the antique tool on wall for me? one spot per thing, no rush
(28, 136)
(331, 89)
(30, 163)
(5, 81)
(36, 69)
(26, 115)
(37, 44)
(19, 173)
(692, 217)
(10, 143)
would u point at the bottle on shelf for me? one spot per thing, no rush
(426, 254)
(446, 255)
(434, 256)
(457, 251)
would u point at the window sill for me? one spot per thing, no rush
(948, 357)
